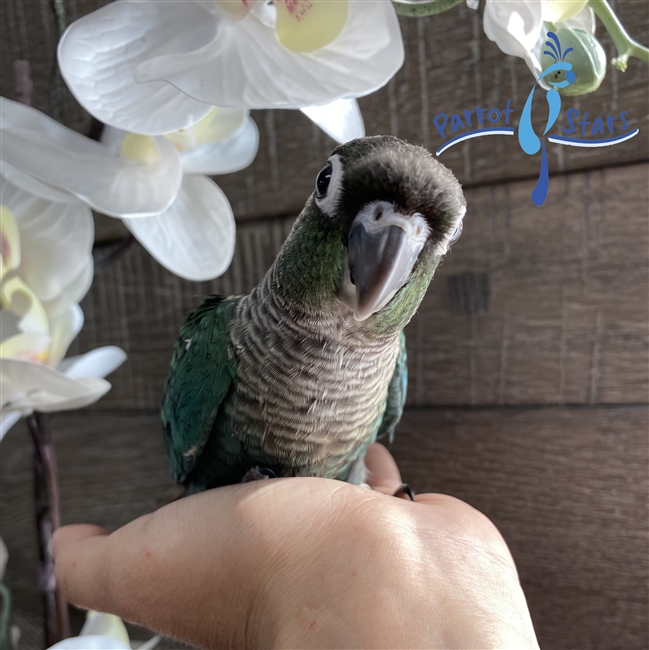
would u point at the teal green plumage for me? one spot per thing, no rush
(307, 370)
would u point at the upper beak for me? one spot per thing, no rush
(383, 247)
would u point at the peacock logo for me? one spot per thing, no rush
(557, 75)
(489, 121)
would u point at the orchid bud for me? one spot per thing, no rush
(587, 58)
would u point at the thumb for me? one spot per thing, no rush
(80, 563)
(172, 571)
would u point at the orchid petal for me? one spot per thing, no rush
(513, 26)
(21, 300)
(219, 125)
(117, 186)
(99, 362)
(232, 9)
(26, 345)
(98, 53)
(244, 65)
(7, 420)
(4, 557)
(10, 240)
(101, 624)
(223, 157)
(90, 642)
(32, 185)
(558, 11)
(340, 120)
(585, 20)
(55, 240)
(73, 293)
(63, 330)
(194, 238)
(308, 25)
(28, 385)
(33, 337)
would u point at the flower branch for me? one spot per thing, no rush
(419, 9)
(48, 519)
(625, 45)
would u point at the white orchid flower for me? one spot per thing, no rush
(4, 558)
(155, 67)
(46, 268)
(102, 632)
(155, 184)
(517, 26)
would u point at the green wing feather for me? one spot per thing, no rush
(396, 393)
(202, 371)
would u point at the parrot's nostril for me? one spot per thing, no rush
(378, 212)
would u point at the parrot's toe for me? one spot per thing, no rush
(258, 473)
(172, 494)
(405, 491)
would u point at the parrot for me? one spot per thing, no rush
(298, 377)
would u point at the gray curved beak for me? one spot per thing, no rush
(383, 247)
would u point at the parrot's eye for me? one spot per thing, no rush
(328, 186)
(323, 180)
(456, 235)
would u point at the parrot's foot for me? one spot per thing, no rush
(405, 491)
(257, 474)
(172, 494)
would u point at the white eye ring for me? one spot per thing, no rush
(329, 201)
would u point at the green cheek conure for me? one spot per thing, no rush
(298, 377)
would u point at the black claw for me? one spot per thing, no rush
(258, 473)
(405, 489)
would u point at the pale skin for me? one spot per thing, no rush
(305, 563)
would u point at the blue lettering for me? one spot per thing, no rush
(479, 112)
(610, 121)
(507, 111)
(496, 113)
(598, 126)
(440, 121)
(570, 114)
(467, 117)
(584, 123)
(625, 124)
(456, 122)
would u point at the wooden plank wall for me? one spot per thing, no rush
(528, 358)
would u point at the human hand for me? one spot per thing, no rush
(305, 563)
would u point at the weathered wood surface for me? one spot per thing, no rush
(450, 66)
(533, 305)
(566, 486)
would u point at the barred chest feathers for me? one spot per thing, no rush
(310, 394)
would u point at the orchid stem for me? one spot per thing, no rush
(420, 9)
(626, 47)
(46, 496)
(23, 85)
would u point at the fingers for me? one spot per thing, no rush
(78, 552)
(193, 568)
(384, 473)
(84, 564)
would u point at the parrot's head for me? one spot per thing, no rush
(381, 217)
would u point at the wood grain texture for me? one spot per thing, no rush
(532, 305)
(450, 65)
(566, 486)
(568, 490)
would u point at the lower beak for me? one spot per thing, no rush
(380, 260)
